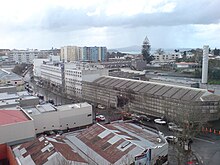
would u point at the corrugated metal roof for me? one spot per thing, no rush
(40, 150)
(153, 88)
(111, 142)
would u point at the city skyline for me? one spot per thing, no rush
(114, 24)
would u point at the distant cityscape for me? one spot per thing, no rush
(93, 105)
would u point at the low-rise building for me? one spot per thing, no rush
(154, 99)
(47, 151)
(47, 117)
(24, 56)
(17, 99)
(16, 126)
(120, 143)
(8, 89)
(8, 77)
(166, 57)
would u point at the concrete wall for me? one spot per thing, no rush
(29, 102)
(61, 119)
(8, 89)
(76, 117)
(46, 121)
(17, 131)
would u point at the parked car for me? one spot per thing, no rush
(100, 118)
(48, 133)
(174, 127)
(58, 132)
(145, 118)
(160, 121)
(100, 106)
(171, 139)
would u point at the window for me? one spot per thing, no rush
(89, 115)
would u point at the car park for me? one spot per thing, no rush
(100, 118)
(160, 121)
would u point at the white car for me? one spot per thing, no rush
(174, 127)
(100, 106)
(171, 139)
(159, 121)
(100, 118)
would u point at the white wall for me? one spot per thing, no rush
(37, 64)
(74, 117)
(17, 131)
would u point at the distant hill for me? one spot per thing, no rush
(134, 48)
(137, 49)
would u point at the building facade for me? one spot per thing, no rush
(94, 54)
(52, 73)
(165, 58)
(70, 75)
(77, 72)
(154, 99)
(69, 53)
(47, 117)
(24, 56)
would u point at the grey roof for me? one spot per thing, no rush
(6, 75)
(159, 89)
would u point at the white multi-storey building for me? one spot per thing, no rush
(77, 72)
(163, 58)
(52, 73)
(38, 62)
(72, 75)
(24, 56)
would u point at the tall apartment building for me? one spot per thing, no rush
(24, 56)
(69, 53)
(94, 54)
(74, 53)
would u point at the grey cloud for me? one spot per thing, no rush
(186, 12)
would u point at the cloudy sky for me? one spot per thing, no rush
(44, 24)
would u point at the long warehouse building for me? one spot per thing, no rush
(154, 99)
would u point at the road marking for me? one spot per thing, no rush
(207, 141)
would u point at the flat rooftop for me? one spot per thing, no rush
(12, 116)
(38, 109)
(72, 106)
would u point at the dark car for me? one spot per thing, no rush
(48, 133)
(58, 132)
(145, 118)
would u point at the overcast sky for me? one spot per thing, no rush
(44, 24)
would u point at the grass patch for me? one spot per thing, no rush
(216, 82)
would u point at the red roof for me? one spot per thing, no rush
(12, 116)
